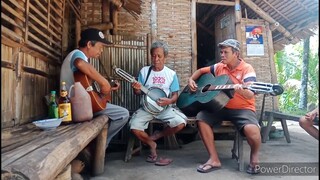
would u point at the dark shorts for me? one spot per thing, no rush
(239, 117)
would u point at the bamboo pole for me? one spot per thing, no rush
(78, 31)
(101, 26)
(238, 20)
(114, 20)
(153, 20)
(194, 54)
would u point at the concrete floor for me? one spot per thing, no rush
(303, 148)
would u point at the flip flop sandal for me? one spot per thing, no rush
(211, 168)
(252, 170)
(152, 158)
(163, 162)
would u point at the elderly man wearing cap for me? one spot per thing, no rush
(91, 46)
(240, 110)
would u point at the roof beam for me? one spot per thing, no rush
(217, 2)
(268, 18)
(275, 9)
(208, 14)
(205, 29)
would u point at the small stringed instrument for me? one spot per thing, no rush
(98, 100)
(213, 93)
(151, 95)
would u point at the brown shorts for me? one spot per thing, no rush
(239, 117)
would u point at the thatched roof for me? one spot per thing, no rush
(290, 20)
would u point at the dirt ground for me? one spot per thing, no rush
(303, 148)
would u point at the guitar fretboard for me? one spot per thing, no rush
(129, 78)
(226, 86)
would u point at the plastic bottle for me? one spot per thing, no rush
(64, 105)
(81, 103)
(53, 106)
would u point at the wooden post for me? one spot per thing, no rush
(105, 10)
(100, 151)
(272, 65)
(237, 11)
(65, 33)
(17, 60)
(194, 52)
(78, 31)
(114, 20)
(149, 41)
(154, 10)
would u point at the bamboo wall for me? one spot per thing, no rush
(173, 24)
(31, 34)
(33, 31)
(263, 65)
(130, 54)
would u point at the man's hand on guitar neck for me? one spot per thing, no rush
(243, 92)
(136, 87)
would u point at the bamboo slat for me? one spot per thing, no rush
(12, 11)
(43, 15)
(52, 41)
(52, 49)
(40, 5)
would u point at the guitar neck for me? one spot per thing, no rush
(224, 87)
(144, 89)
(129, 78)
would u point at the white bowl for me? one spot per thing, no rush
(47, 124)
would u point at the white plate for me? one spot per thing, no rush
(47, 124)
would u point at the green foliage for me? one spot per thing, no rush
(289, 67)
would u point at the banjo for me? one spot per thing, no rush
(151, 95)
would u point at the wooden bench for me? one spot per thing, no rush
(30, 153)
(278, 116)
(171, 142)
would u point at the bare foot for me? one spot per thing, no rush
(211, 162)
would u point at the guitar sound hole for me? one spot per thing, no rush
(205, 88)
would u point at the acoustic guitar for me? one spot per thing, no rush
(98, 100)
(214, 93)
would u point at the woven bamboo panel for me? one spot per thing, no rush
(130, 54)
(91, 12)
(41, 29)
(128, 25)
(261, 64)
(173, 26)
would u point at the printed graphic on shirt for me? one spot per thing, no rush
(165, 79)
(158, 80)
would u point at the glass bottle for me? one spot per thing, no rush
(53, 106)
(64, 105)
